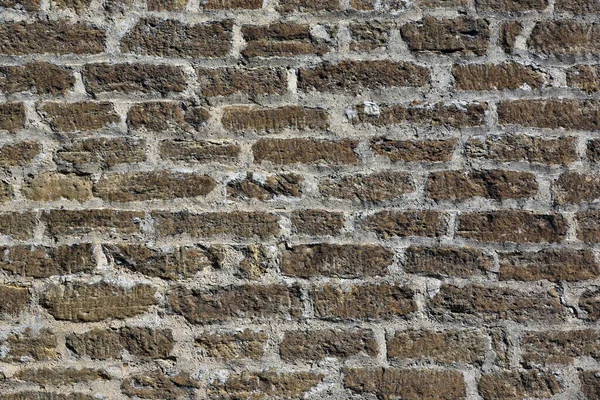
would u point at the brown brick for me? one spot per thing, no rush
(264, 385)
(505, 76)
(574, 187)
(27, 5)
(384, 5)
(6, 192)
(82, 116)
(369, 35)
(511, 5)
(306, 151)
(316, 345)
(512, 226)
(588, 226)
(493, 184)
(80, 302)
(568, 114)
(161, 116)
(442, 3)
(19, 226)
(564, 39)
(43, 262)
(39, 77)
(590, 303)
(12, 117)
(198, 151)
(307, 6)
(157, 385)
(268, 120)
(29, 346)
(45, 395)
(172, 263)
(258, 261)
(50, 186)
(171, 38)
(590, 384)
(355, 76)
(282, 39)
(334, 260)
(237, 223)
(461, 35)
(269, 188)
(50, 37)
(438, 114)
(414, 150)
(580, 7)
(81, 222)
(133, 78)
(166, 5)
(78, 6)
(317, 222)
(559, 347)
(508, 35)
(517, 147)
(442, 262)
(550, 264)
(408, 384)
(246, 344)
(405, 223)
(247, 301)
(372, 188)
(61, 376)
(251, 82)
(452, 346)
(18, 154)
(496, 303)
(584, 77)
(15, 299)
(232, 4)
(93, 154)
(516, 385)
(363, 302)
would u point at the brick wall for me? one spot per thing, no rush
(281, 199)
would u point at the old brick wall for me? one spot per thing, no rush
(280, 199)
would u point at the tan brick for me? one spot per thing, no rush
(414, 150)
(94, 154)
(43, 261)
(157, 385)
(18, 154)
(82, 116)
(49, 186)
(264, 385)
(550, 264)
(233, 4)
(12, 116)
(15, 299)
(405, 223)
(61, 376)
(166, 5)
(269, 120)
(246, 344)
(81, 222)
(29, 346)
(460, 262)
(198, 151)
(317, 345)
(306, 151)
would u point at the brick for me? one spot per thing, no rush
(50, 186)
(237, 224)
(79, 302)
(232, 4)
(452, 346)
(265, 188)
(6, 192)
(405, 223)
(282, 39)
(414, 150)
(505, 76)
(82, 116)
(355, 76)
(588, 226)
(61, 376)
(593, 150)
(78, 6)
(568, 114)
(333, 260)
(269, 120)
(12, 117)
(316, 345)
(550, 264)
(306, 151)
(89, 155)
(251, 82)
(246, 344)
(590, 384)
(408, 384)
(198, 151)
(161, 116)
(559, 347)
(264, 385)
(81, 222)
(502, 346)
(258, 260)
(463, 36)
(513, 385)
(307, 6)
(15, 299)
(171, 38)
(133, 78)
(511, 5)
(50, 37)
(26, 5)
(574, 187)
(43, 261)
(19, 226)
(523, 148)
(494, 184)
(247, 301)
(369, 302)
(29, 345)
(173, 263)
(369, 35)
(508, 35)
(317, 222)
(438, 114)
(157, 385)
(166, 5)
(38, 77)
(479, 303)
(578, 7)
(442, 3)
(564, 39)
(443, 262)
(590, 303)
(18, 154)
(375, 5)
(45, 395)
(512, 226)
(584, 77)
(368, 188)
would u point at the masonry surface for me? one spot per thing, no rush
(286, 199)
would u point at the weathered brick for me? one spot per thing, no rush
(166, 5)
(157, 385)
(258, 261)
(6, 192)
(133, 78)
(306, 151)
(518, 147)
(29, 345)
(282, 39)
(584, 77)
(198, 151)
(564, 39)
(508, 35)
(363, 302)
(79, 302)
(19, 226)
(355, 76)
(511, 5)
(246, 344)
(81, 222)
(12, 116)
(251, 82)
(414, 150)
(43, 261)
(512, 226)
(232, 4)
(550, 264)
(50, 37)
(26, 5)
(505, 76)
(579, 7)
(82, 116)
(93, 154)
(369, 35)
(574, 187)
(368, 188)
(61, 376)
(493, 184)
(593, 150)
(441, 262)
(442, 3)
(452, 346)
(269, 120)
(405, 223)
(15, 299)
(590, 384)
(317, 222)
(264, 385)
(340, 261)
(38, 77)
(265, 188)
(382, 5)
(317, 345)
(590, 303)
(477, 302)
(588, 226)
(408, 384)
(18, 154)
(161, 116)
(171, 38)
(559, 347)
(568, 114)
(308, 6)
(461, 35)
(45, 395)
(50, 186)
(515, 385)
(246, 301)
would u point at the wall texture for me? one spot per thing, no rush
(322, 199)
